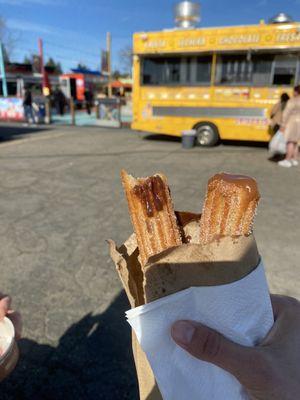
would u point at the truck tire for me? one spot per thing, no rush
(207, 134)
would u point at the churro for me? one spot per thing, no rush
(229, 207)
(152, 214)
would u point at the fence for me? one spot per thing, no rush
(106, 112)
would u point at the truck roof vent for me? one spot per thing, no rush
(281, 18)
(187, 14)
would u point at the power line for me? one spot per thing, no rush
(50, 53)
(59, 56)
(32, 51)
(55, 55)
(73, 60)
(92, 59)
(73, 49)
(70, 48)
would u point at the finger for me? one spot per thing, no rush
(5, 304)
(16, 319)
(208, 345)
(277, 303)
(281, 303)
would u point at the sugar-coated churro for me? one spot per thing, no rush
(229, 207)
(152, 214)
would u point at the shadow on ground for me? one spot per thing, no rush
(245, 143)
(164, 138)
(276, 158)
(92, 361)
(8, 133)
(237, 143)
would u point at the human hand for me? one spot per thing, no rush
(14, 316)
(269, 371)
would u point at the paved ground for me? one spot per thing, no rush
(60, 199)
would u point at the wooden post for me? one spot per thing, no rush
(72, 111)
(48, 111)
(97, 110)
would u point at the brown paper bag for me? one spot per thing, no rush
(224, 261)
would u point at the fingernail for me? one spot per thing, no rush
(6, 301)
(6, 298)
(182, 332)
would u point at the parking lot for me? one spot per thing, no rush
(61, 198)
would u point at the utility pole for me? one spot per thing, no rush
(41, 55)
(2, 70)
(42, 69)
(108, 47)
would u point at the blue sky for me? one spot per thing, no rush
(74, 30)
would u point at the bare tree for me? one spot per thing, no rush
(125, 56)
(7, 38)
(34, 61)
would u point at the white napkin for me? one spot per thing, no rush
(241, 311)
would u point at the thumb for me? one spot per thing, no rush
(208, 345)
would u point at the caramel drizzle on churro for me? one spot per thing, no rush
(152, 214)
(150, 192)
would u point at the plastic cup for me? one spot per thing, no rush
(9, 352)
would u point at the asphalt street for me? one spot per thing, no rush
(61, 198)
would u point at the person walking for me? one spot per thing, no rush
(88, 96)
(291, 129)
(277, 112)
(59, 101)
(27, 104)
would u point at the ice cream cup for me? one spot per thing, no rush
(9, 352)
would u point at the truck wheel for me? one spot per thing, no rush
(207, 134)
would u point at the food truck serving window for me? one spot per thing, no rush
(257, 69)
(234, 69)
(285, 68)
(184, 70)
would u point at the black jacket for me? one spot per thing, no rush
(27, 98)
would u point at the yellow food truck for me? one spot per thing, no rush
(220, 81)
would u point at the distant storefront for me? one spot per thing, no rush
(11, 109)
(19, 76)
(122, 87)
(79, 81)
